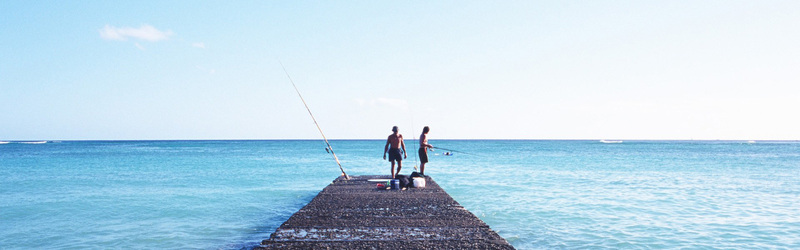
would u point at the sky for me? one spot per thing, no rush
(624, 70)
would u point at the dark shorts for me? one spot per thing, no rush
(423, 155)
(395, 154)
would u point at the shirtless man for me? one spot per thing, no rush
(423, 149)
(396, 141)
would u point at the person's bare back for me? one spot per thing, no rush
(395, 140)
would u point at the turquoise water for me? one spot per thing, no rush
(536, 194)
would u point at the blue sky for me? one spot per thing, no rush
(114, 70)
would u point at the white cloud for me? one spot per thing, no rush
(395, 103)
(385, 102)
(145, 32)
(199, 45)
(210, 71)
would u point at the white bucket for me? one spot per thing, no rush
(419, 182)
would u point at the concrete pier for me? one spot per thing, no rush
(354, 214)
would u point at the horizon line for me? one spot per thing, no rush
(362, 139)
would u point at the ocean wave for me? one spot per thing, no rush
(33, 142)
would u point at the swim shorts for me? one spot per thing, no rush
(423, 155)
(395, 154)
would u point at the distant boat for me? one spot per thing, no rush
(608, 141)
(751, 142)
(5, 142)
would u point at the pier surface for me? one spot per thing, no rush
(354, 214)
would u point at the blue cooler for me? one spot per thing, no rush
(395, 184)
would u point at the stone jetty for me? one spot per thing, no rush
(355, 214)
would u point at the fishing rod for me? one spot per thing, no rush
(329, 148)
(452, 150)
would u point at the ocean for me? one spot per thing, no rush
(560, 194)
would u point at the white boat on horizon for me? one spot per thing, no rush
(610, 141)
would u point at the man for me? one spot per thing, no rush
(396, 141)
(423, 149)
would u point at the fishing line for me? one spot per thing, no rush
(315, 122)
(414, 137)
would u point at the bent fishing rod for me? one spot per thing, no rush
(329, 148)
